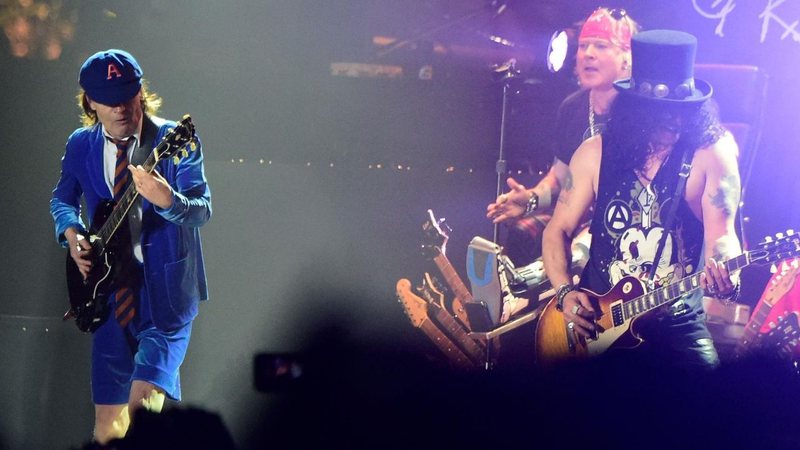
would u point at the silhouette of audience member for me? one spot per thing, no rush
(177, 428)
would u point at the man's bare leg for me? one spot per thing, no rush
(145, 395)
(112, 421)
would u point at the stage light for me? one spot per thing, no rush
(557, 51)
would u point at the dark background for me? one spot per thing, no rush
(320, 183)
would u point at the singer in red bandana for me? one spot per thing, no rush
(603, 57)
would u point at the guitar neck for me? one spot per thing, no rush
(120, 211)
(457, 334)
(453, 280)
(673, 291)
(751, 330)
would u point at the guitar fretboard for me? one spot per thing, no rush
(453, 280)
(673, 291)
(751, 330)
(119, 212)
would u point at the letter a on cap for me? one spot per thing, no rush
(113, 69)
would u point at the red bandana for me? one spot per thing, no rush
(602, 25)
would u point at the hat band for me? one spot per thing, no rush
(657, 89)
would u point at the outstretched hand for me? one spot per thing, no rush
(511, 205)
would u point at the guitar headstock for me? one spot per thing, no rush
(771, 250)
(176, 142)
(435, 237)
(782, 282)
(415, 308)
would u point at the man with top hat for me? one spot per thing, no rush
(603, 57)
(160, 277)
(661, 130)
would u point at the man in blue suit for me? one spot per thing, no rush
(137, 353)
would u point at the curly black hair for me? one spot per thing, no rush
(633, 121)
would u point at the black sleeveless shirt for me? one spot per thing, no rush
(626, 228)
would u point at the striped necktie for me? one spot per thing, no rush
(121, 173)
(124, 297)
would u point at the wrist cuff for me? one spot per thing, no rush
(532, 205)
(562, 292)
(731, 296)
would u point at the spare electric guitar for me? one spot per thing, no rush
(88, 297)
(440, 327)
(435, 247)
(781, 283)
(617, 310)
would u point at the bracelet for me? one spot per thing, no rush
(532, 204)
(562, 292)
(731, 296)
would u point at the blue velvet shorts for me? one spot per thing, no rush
(140, 351)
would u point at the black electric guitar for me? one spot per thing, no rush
(88, 297)
(783, 338)
(617, 309)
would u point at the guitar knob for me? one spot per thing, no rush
(773, 269)
(772, 325)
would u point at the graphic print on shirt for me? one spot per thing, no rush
(636, 226)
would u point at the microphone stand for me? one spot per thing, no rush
(505, 73)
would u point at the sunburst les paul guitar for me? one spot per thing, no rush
(617, 310)
(88, 296)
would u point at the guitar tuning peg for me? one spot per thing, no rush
(790, 232)
(768, 239)
(779, 235)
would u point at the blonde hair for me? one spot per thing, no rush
(151, 102)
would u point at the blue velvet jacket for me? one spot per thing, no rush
(173, 258)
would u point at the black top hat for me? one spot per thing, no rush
(663, 68)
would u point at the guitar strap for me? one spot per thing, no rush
(149, 132)
(686, 167)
